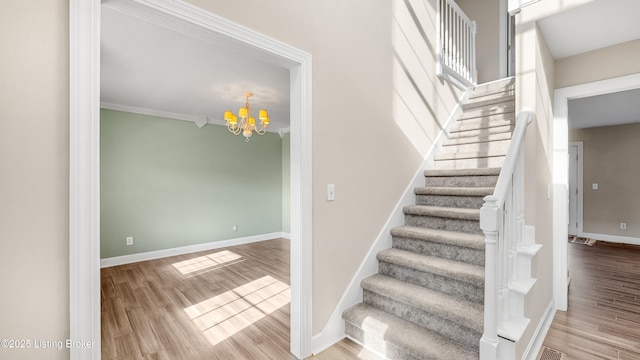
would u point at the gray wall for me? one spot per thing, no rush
(611, 160)
(168, 183)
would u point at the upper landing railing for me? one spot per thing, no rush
(456, 45)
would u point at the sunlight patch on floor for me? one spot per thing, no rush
(226, 314)
(204, 262)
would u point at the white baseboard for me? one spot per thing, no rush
(334, 331)
(159, 254)
(541, 332)
(612, 238)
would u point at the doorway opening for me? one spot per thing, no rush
(84, 227)
(561, 171)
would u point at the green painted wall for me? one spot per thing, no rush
(169, 184)
(286, 187)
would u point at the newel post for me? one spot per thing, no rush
(490, 223)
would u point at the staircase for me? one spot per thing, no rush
(426, 302)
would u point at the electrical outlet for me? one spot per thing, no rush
(623, 226)
(235, 227)
(129, 240)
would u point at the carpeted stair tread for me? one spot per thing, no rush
(454, 238)
(454, 191)
(442, 212)
(417, 341)
(463, 272)
(464, 172)
(445, 306)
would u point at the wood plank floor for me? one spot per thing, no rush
(603, 317)
(230, 303)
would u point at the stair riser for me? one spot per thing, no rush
(469, 202)
(480, 124)
(440, 223)
(462, 181)
(502, 108)
(493, 91)
(477, 139)
(458, 253)
(508, 115)
(481, 133)
(440, 283)
(377, 343)
(480, 154)
(488, 162)
(425, 319)
(492, 88)
(492, 146)
(490, 99)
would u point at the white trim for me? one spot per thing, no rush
(334, 329)
(532, 350)
(516, 5)
(560, 171)
(579, 184)
(503, 38)
(611, 238)
(159, 254)
(84, 192)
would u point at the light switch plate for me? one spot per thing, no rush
(594, 186)
(331, 192)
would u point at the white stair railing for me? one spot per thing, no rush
(456, 46)
(502, 221)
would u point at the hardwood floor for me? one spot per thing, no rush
(603, 320)
(230, 303)
(346, 349)
(233, 303)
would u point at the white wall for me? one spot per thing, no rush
(601, 64)
(487, 15)
(535, 73)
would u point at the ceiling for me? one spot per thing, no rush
(150, 69)
(604, 110)
(595, 25)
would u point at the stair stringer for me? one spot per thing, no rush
(511, 331)
(334, 329)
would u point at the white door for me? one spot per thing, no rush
(574, 188)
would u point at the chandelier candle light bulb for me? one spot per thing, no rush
(247, 123)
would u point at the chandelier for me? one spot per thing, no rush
(247, 123)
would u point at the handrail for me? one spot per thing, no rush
(502, 221)
(525, 117)
(456, 45)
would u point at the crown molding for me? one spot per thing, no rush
(200, 121)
